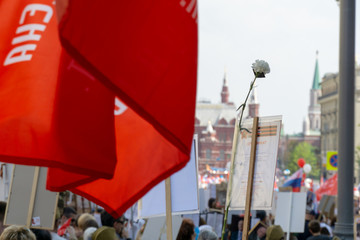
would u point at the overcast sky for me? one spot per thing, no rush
(286, 34)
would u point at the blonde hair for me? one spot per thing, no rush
(15, 232)
(85, 217)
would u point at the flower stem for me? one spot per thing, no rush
(244, 104)
(233, 165)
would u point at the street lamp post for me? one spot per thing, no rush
(345, 206)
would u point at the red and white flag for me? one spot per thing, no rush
(47, 116)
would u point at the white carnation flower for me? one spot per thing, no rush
(260, 68)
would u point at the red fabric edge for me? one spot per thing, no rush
(63, 188)
(123, 96)
(116, 213)
(54, 164)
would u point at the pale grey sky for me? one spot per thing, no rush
(285, 33)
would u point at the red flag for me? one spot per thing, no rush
(144, 158)
(328, 188)
(45, 121)
(146, 52)
(61, 231)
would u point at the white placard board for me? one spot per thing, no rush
(156, 228)
(215, 220)
(212, 190)
(204, 196)
(265, 164)
(195, 217)
(290, 211)
(184, 191)
(7, 170)
(29, 199)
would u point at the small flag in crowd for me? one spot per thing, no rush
(294, 181)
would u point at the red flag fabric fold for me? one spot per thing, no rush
(144, 159)
(145, 52)
(48, 119)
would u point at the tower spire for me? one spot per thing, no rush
(225, 90)
(316, 80)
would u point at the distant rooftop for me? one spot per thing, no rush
(205, 112)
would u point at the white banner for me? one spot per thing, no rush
(265, 164)
(184, 191)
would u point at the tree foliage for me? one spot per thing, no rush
(308, 153)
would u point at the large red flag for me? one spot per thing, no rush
(46, 119)
(146, 52)
(328, 188)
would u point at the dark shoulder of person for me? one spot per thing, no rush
(319, 237)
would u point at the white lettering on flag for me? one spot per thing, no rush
(192, 6)
(31, 28)
(21, 53)
(32, 8)
(14, 57)
(120, 107)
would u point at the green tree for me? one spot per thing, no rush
(357, 161)
(308, 153)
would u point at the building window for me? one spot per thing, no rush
(222, 154)
(208, 153)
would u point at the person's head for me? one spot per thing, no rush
(41, 234)
(107, 219)
(68, 212)
(324, 231)
(212, 203)
(241, 225)
(187, 230)
(261, 214)
(314, 227)
(90, 223)
(261, 231)
(333, 221)
(207, 235)
(104, 233)
(310, 214)
(84, 218)
(274, 232)
(15, 232)
(235, 225)
(202, 221)
(119, 224)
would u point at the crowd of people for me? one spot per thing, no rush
(316, 227)
(71, 226)
(85, 226)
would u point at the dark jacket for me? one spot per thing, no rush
(319, 237)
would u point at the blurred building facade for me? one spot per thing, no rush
(214, 125)
(329, 102)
